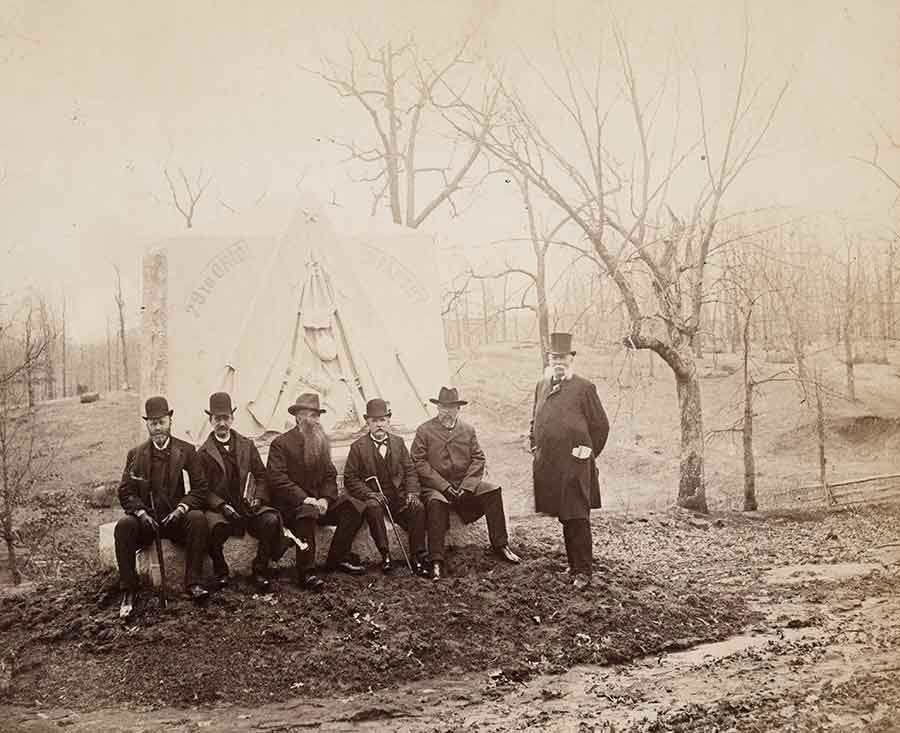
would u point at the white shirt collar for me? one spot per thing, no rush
(164, 445)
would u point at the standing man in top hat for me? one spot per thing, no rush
(238, 498)
(153, 479)
(450, 464)
(568, 431)
(382, 457)
(302, 484)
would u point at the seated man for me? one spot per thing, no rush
(302, 484)
(450, 464)
(237, 494)
(152, 493)
(380, 460)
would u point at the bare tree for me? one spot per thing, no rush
(120, 304)
(186, 201)
(619, 208)
(396, 86)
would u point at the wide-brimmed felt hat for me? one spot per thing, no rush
(448, 396)
(377, 408)
(306, 401)
(220, 404)
(561, 343)
(156, 407)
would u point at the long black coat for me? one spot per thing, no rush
(135, 495)
(290, 480)
(362, 463)
(220, 493)
(566, 416)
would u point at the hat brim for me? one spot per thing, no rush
(562, 353)
(233, 409)
(454, 403)
(386, 414)
(156, 416)
(294, 409)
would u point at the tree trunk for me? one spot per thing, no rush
(848, 361)
(749, 461)
(691, 489)
(120, 303)
(820, 434)
(543, 312)
(64, 355)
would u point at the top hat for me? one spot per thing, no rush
(448, 396)
(306, 401)
(220, 404)
(561, 343)
(156, 407)
(377, 408)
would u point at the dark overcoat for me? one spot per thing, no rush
(249, 462)
(290, 480)
(362, 463)
(135, 495)
(565, 416)
(446, 457)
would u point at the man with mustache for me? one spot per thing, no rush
(232, 463)
(302, 484)
(383, 455)
(450, 464)
(568, 431)
(153, 479)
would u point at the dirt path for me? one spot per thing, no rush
(825, 657)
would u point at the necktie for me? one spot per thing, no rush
(382, 447)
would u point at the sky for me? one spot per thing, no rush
(99, 98)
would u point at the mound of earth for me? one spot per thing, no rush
(67, 646)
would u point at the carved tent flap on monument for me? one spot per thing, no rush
(269, 306)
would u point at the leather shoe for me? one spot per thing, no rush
(198, 594)
(127, 606)
(311, 581)
(386, 565)
(222, 580)
(506, 554)
(262, 583)
(345, 566)
(581, 581)
(437, 570)
(421, 569)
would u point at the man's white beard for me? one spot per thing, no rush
(549, 373)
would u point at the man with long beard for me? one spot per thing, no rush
(232, 464)
(568, 431)
(302, 483)
(450, 464)
(153, 480)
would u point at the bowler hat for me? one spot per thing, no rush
(377, 408)
(561, 343)
(306, 401)
(448, 396)
(220, 404)
(156, 407)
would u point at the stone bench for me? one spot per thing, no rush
(240, 551)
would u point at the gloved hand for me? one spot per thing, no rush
(176, 514)
(145, 517)
(229, 513)
(412, 502)
(323, 505)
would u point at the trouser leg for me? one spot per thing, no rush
(266, 528)
(305, 529)
(437, 520)
(492, 506)
(218, 535)
(579, 546)
(374, 516)
(412, 519)
(347, 521)
(130, 535)
(193, 532)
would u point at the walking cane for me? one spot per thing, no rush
(163, 601)
(391, 518)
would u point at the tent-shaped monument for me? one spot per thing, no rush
(272, 304)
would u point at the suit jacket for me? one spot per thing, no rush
(290, 480)
(135, 495)
(362, 463)
(565, 416)
(220, 493)
(448, 457)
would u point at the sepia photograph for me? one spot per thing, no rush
(490, 365)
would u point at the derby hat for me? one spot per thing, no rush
(220, 404)
(156, 407)
(306, 401)
(448, 396)
(561, 343)
(377, 408)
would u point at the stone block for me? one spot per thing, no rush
(239, 551)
